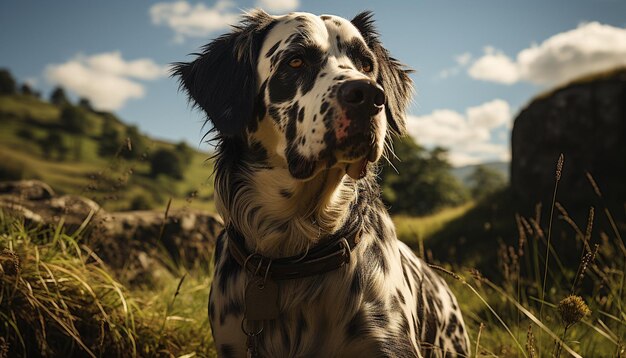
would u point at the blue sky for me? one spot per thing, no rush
(477, 62)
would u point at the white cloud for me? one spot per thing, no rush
(490, 115)
(469, 136)
(112, 62)
(200, 20)
(591, 47)
(104, 78)
(278, 6)
(461, 60)
(194, 21)
(494, 66)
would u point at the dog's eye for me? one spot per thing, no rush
(367, 66)
(296, 62)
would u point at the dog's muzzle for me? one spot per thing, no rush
(361, 101)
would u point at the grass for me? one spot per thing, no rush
(538, 305)
(57, 298)
(415, 230)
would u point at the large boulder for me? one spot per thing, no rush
(586, 122)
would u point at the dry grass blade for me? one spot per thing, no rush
(559, 169)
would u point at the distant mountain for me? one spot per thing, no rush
(463, 173)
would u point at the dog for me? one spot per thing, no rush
(302, 108)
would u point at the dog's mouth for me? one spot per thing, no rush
(358, 169)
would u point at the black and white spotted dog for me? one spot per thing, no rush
(303, 106)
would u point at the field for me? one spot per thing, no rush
(535, 285)
(57, 296)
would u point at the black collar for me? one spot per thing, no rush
(332, 253)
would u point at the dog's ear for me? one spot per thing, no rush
(222, 80)
(393, 76)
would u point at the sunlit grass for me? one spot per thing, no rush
(58, 299)
(411, 229)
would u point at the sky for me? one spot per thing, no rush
(477, 62)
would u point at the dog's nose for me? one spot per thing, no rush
(363, 94)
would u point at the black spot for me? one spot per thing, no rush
(325, 17)
(257, 153)
(340, 77)
(323, 107)
(358, 53)
(452, 324)
(299, 166)
(456, 342)
(301, 327)
(232, 307)
(337, 23)
(375, 254)
(274, 113)
(227, 351)
(356, 325)
(357, 281)
(401, 296)
(380, 317)
(229, 270)
(323, 74)
(291, 123)
(285, 193)
(219, 245)
(273, 49)
(343, 67)
(301, 115)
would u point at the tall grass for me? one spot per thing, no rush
(555, 309)
(57, 298)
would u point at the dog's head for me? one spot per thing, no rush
(309, 92)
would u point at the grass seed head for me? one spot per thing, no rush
(572, 309)
(9, 263)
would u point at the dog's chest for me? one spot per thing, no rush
(350, 310)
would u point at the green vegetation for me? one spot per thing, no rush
(531, 285)
(420, 182)
(545, 284)
(78, 150)
(7, 82)
(57, 298)
(484, 181)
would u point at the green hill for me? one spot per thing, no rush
(463, 173)
(36, 142)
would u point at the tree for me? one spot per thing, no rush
(85, 104)
(53, 142)
(26, 90)
(423, 182)
(185, 152)
(166, 162)
(7, 82)
(58, 97)
(485, 181)
(110, 139)
(73, 119)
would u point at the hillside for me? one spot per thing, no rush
(35, 143)
(463, 173)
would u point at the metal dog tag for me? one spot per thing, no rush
(261, 300)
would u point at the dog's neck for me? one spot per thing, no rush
(278, 215)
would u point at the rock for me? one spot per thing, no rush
(134, 241)
(586, 121)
